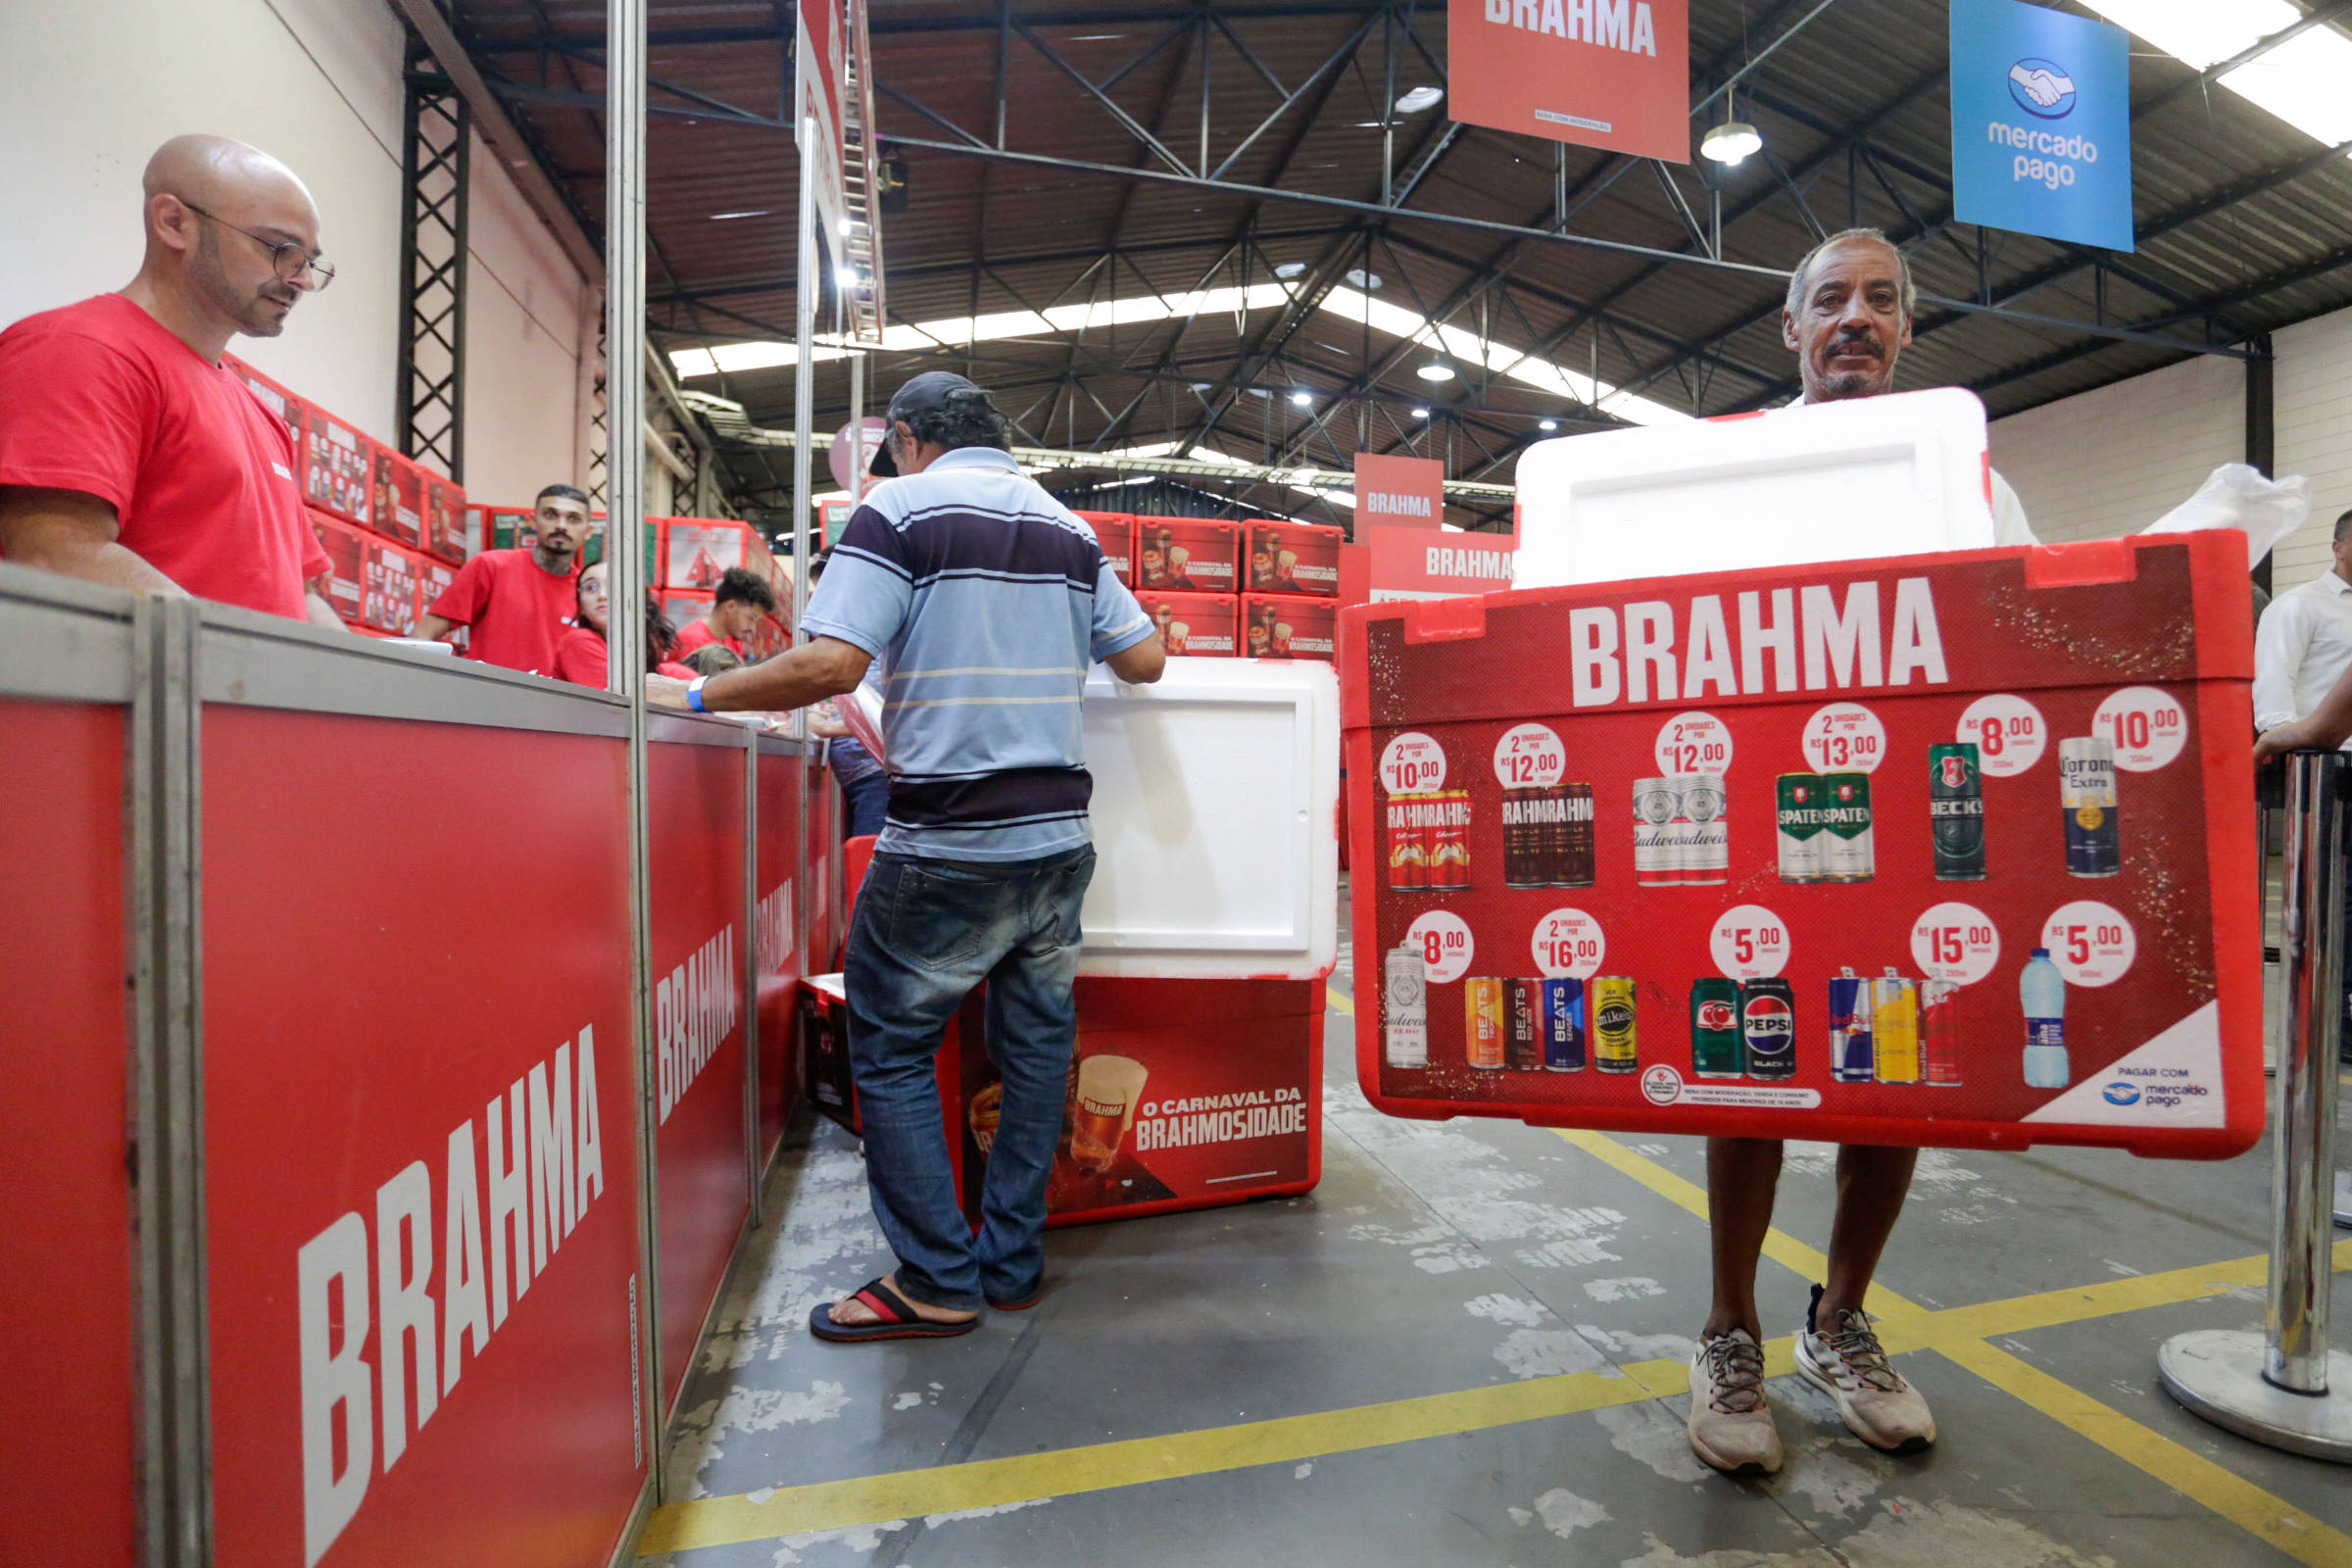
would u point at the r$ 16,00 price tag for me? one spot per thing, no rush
(1568, 945)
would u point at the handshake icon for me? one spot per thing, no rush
(2044, 87)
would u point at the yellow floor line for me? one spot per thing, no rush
(2272, 1519)
(1338, 1001)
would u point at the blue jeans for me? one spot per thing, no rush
(868, 801)
(926, 932)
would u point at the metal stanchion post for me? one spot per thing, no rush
(2274, 1387)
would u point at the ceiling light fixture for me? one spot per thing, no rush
(845, 276)
(1357, 277)
(1435, 371)
(1290, 270)
(1547, 425)
(1304, 400)
(1734, 139)
(1418, 99)
(1420, 414)
(754, 211)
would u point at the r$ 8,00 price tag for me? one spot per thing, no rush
(1445, 944)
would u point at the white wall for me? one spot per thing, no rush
(2113, 461)
(2311, 386)
(88, 90)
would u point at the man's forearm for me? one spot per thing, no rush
(792, 679)
(319, 612)
(92, 560)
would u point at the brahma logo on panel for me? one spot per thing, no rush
(1611, 73)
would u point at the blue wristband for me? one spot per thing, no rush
(693, 694)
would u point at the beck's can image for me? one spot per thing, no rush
(1657, 855)
(1852, 1058)
(1704, 827)
(1404, 1006)
(1939, 1033)
(1615, 1046)
(1715, 1051)
(1894, 1028)
(1482, 1022)
(1523, 1025)
(2086, 793)
(1768, 1028)
(1956, 811)
(1797, 815)
(1847, 851)
(1564, 1036)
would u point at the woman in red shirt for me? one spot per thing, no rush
(581, 654)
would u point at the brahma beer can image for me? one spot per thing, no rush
(1798, 820)
(2086, 794)
(1768, 1028)
(1615, 1046)
(1715, 1028)
(1448, 838)
(1657, 859)
(1956, 811)
(1523, 1025)
(1408, 845)
(1525, 836)
(1109, 1088)
(1894, 1029)
(1570, 839)
(1705, 825)
(1852, 1058)
(1846, 852)
(1482, 1022)
(1563, 1025)
(1404, 1006)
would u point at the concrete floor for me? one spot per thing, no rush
(1498, 1264)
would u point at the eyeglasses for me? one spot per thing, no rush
(288, 258)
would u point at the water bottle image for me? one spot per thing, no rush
(2042, 989)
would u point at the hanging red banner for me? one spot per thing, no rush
(1398, 492)
(1613, 74)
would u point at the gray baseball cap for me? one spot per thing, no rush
(927, 393)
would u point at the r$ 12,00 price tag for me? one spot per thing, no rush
(1529, 757)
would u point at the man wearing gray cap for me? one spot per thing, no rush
(985, 602)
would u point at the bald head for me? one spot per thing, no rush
(220, 215)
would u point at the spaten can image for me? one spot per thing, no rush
(1563, 1023)
(2086, 794)
(1956, 811)
(1797, 823)
(1482, 1023)
(1715, 1051)
(1615, 1047)
(1847, 851)
(1404, 1006)
(1852, 1058)
(1894, 1028)
(1523, 1025)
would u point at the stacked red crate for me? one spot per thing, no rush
(1115, 532)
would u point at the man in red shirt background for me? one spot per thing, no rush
(741, 596)
(519, 603)
(128, 455)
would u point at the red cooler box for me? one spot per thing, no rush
(397, 501)
(1187, 554)
(1289, 626)
(388, 588)
(346, 550)
(445, 519)
(1202, 625)
(335, 467)
(1115, 532)
(1949, 850)
(1294, 558)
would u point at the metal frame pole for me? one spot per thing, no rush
(804, 407)
(2274, 1386)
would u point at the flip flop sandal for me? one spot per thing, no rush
(898, 1319)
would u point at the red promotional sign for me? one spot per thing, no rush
(777, 944)
(1948, 850)
(1613, 74)
(1415, 563)
(421, 1182)
(1398, 492)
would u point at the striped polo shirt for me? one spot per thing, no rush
(985, 601)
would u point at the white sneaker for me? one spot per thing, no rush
(1849, 1365)
(1730, 1425)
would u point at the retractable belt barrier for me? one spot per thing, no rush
(403, 1274)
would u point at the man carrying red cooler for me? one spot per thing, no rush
(1848, 319)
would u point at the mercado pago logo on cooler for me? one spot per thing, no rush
(1782, 641)
(431, 1293)
(696, 1007)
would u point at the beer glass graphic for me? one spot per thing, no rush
(1109, 1089)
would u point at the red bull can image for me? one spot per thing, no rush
(1768, 1028)
(1939, 1033)
(1564, 1032)
(1851, 1049)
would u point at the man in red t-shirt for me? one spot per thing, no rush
(519, 603)
(743, 596)
(128, 455)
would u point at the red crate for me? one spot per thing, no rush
(396, 499)
(1115, 531)
(1187, 554)
(337, 468)
(388, 585)
(1697, 709)
(1289, 626)
(346, 550)
(445, 514)
(294, 410)
(1294, 558)
(1202, 626)
(698, 550)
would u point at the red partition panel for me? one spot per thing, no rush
(823, 823)
(1796, 842)
(68, 1327)
(419, 1146)
(779, 949)
(695, 809)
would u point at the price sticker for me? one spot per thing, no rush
(2148, 727)
(2008, 732)
(1955, 941)
(1749, 943)
(1568, 945)
(1445, 944)
(1529, 757)
(1693, 743)
(2090, 943)
(1413, 764)
(1845, 738)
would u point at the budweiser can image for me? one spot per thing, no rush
(1614, 1048)
(1852, 1058)
(987, 1111)
(1705, 830)
(1894, 1029)
(2086, 792)
(1768, 1028)
(1483, 1026)
(1657, 862)
(1572, 838)
(1715, 1028)
(1564, 1025)
(1956, 811)
(1846, 853)
(1109, 1089)
(1408, 854)
(1797, 814)
(1525, 836)
(1523, 1025)
(1449, 839)
(1404, 1006)
(1939, 1033)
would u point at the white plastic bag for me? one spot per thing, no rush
(2238, 496)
